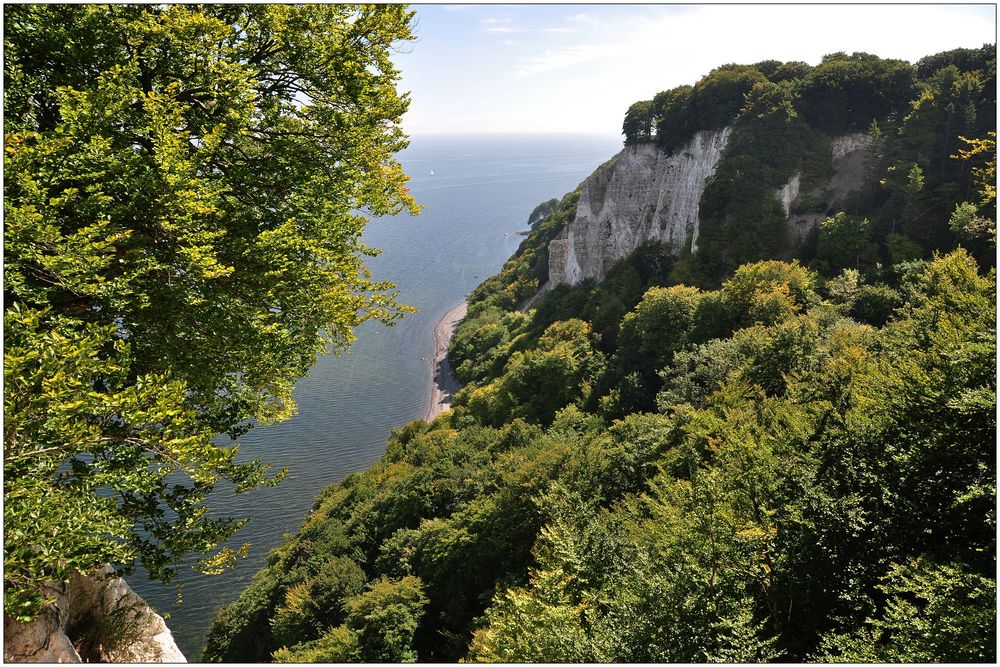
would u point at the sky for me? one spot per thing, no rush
(576, 68)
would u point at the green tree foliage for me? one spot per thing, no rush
(535, 384)
(762, 355)
(782, 117)
(844, 93)
(966, 60)
(741, 220)
(182, 238)
(985, 173)
(541, 212)
(767, 292)
(925, 175)
(670, 114)
(385, 618)
(710, 104)
(481, 346)
(339, 644)
(757, 465)
(975, 224)
(945, 343)
(638, 125)
(902, 249)
(845, 241)
(690, 585)
(604, 304)
(315, 604)
(540, 625)
(969, 227)
(874, 304)
(932, 611)
(798, 457)
(657, 327)
(790, 71)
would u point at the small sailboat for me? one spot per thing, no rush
(432, 172)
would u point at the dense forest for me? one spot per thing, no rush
(767, 450)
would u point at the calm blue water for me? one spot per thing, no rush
(480, 196)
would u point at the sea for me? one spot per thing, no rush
(477, 192)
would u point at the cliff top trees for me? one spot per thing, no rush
(638, 125)
(182, 238)
(841, 94)
(709, 104)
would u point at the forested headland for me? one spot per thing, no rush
(772, 449)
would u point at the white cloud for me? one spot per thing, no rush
(617, 55)
(570, 56)
(679, 47)
(583, 18)
(500, 24)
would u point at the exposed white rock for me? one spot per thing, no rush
(43, 640)
(849, 143)
(644, 195)
(120, 625)
(789, 192)
(850, 153)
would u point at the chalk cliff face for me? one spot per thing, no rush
(644, 195)
(99, 614)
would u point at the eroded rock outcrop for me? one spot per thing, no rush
(850, 153)
(646, 195)
(643, 195)
(95, 618)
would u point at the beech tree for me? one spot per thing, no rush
(185, 196)
(638, 124)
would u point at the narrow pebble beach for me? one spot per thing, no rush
(444, 384)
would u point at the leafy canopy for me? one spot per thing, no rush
(781, 461)
(185, 196)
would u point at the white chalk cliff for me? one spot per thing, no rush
(646, 195)
(98, 614)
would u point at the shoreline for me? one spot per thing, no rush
(443, 381)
